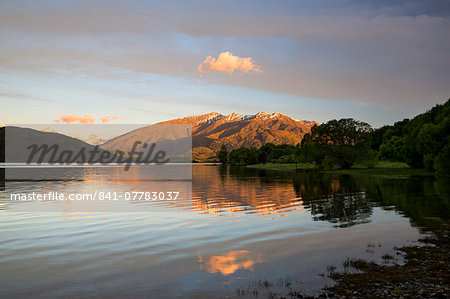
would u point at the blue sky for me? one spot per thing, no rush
(377, 61)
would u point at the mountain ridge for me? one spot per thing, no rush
(211, 130)
(214, 116)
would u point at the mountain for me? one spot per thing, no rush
(23, 145)
(212, 130)
(91, 139)
(208, 132)
(194, 120)
(18, 140)
(49, 130)
(94, 139)
(175, 141)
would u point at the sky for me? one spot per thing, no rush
(127, 62)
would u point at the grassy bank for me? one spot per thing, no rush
(381, 168)
(277, 166)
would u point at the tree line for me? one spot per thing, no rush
(422, 142)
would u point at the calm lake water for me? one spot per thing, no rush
(243, 230)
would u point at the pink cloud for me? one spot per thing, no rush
(107, 118)
(72, 118)
(227, 62)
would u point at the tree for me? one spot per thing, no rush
(442, 162)
(377, 137)
(338, 142)
(223, 154)
(262, 156)
(393, 149)
(313, 152)
(297, 155)
(240, 156)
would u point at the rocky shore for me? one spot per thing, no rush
(425, 273)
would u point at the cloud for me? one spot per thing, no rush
(227, 62)
(72, 118)
(229, 262)
(107, 118)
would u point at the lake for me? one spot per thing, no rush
(242, 232)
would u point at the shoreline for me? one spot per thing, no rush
(425, 273)
(382, 168)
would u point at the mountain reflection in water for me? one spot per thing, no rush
(344, 200)
(336, 199)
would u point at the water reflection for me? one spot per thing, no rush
(229, 262)
(103, 189)
(343, 200)
(218, 190)
(228, 234)
(336, 199)
(424, 200)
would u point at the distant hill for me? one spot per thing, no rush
(18, 139)
(175, 141)
(91, 139)
(50, 146)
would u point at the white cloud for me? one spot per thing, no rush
(227, 62)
